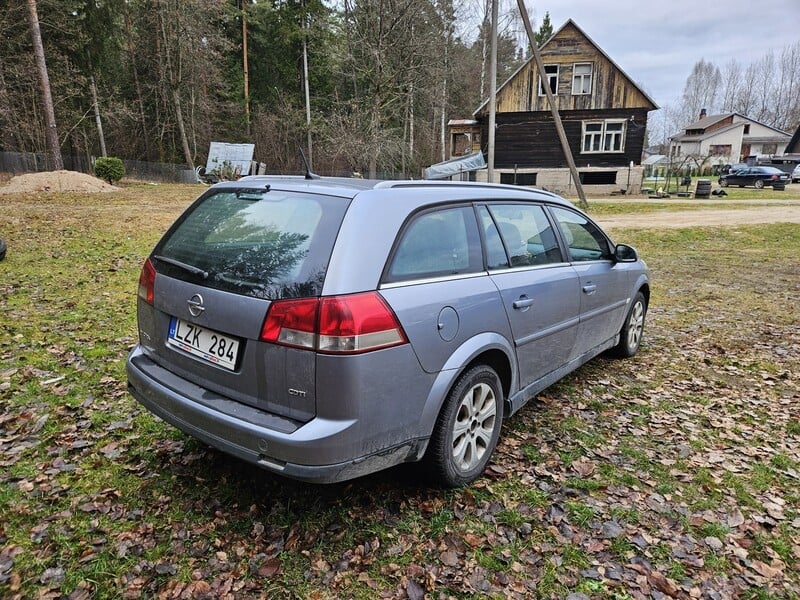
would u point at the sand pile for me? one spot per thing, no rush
(56, 181)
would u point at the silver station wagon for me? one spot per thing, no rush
(327, 328)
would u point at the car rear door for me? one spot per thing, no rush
(539, 289)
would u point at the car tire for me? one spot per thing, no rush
(723, 182)
(467, 429)
(2, 248)
(630, 336)
(758, 184)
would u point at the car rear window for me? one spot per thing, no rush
(267, 244)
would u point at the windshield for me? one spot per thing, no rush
(266, 244)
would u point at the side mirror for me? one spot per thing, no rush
(625, 253)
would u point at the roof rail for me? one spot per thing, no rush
(465, 184)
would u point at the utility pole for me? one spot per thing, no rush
(246, 72)
(44, 82)
(305, 27)
(492, 93)
(562, 136)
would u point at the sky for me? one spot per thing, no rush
(657, 43)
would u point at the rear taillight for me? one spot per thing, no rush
(335, 325)
(292, 323)
(357, 323)
(147, 281)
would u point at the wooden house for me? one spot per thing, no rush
(603, 111)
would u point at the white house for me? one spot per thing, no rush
(727, 138)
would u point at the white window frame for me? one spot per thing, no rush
(614, 136)
(592, 137)
(551, 79)
(598, 138)
(582, 82)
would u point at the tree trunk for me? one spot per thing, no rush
(375, 130)
(187, 154)
(174, 79)
(97, 119)
(12, 133)
(137, 85)
(44, 81)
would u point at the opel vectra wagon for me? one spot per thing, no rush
(328, 328)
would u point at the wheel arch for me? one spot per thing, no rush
(644, 287)
(487, 348)
(498, 361)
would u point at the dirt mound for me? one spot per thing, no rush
(56, 181)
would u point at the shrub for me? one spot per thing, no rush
(111, 169)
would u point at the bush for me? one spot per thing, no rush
(111, 169)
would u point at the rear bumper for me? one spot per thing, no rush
(291, 448)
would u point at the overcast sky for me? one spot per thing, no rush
(658, 43)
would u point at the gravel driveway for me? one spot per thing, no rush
(747, 212)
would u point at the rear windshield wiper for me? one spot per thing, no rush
(182, 265)
(251, 193)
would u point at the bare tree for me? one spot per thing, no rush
(173, 49)
(731, 77)
(44, 83)
(701, 89)
(385, 64)
(131, 48)
(787, 97)
(745, 98)
(764, 89)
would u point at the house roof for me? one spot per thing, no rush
(696, 137)
(710, 120)
(655, 159)
(592, 42)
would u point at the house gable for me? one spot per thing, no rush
(794, 144)
(603, 113)
(583, 76)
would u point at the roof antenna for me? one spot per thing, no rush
(309, 174)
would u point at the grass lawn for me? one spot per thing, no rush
(674, 474)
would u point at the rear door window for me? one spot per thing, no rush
(266, 244)
(438, 243)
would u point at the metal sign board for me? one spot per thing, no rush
(237, 156)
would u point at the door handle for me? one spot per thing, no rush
(589, 289)
(523, 303)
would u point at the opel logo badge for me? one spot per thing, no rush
(196, 305)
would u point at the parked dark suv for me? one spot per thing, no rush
(328, 328)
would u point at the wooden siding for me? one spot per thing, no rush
(529, 139)
(720, 124)
(610, 87)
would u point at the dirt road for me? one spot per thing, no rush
(745, 212)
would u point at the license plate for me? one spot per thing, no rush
(204, 343)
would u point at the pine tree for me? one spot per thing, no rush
(545, 30)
